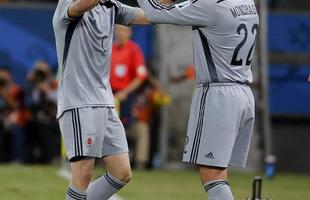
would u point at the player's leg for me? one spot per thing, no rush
(119, 167)
(213, 126)
(82, 171)
(117, 176)
(240, 126)
(214, 181)
(116, 160)
(83, 144)
(243, 141)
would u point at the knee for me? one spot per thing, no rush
(85, 175)
(125, 176)
(212, 173)
(82, 174)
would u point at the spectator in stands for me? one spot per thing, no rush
(139, 132)
(149, 98)
(44, 135)
(188, 74)
(14, 117)
(128, 71)
(3, 150)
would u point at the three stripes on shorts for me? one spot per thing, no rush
(78, 143)
(196, 143)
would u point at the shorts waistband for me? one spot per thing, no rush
(215, 84)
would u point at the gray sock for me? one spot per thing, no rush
(74, 193)
(218, 190)
(104, 187)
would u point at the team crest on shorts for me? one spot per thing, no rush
(89, 141)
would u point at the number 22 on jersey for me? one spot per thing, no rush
(240, 62)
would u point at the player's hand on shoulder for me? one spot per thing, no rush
(79, 7)
(141, 18)
(167, 2)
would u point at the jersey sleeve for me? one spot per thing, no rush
(125, 14)
(189, 13)
(63, 7)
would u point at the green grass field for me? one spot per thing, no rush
(42, 183)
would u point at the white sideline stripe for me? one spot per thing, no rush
(67, 175)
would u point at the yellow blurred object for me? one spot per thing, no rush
(63, 149)
(160, 98)
(117, 105)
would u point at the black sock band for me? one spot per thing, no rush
(76, 194)
(212, 184)
(117, 184)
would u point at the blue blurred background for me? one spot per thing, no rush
(27, 36)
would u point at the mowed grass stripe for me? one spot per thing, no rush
(42, 183)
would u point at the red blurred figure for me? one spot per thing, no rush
(149, 100)
(128, 71)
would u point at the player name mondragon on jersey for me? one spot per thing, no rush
(242, 10)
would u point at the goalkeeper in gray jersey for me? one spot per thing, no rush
(222, 112)
(87, 118)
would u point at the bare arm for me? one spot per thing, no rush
(79, 7)
(132, 87)
(141, 18)
(188, 13)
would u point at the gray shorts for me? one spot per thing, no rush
(92, 132)
(220, 126)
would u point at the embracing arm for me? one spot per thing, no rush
(79, 7)
(141, 18)
(128, 15)
(189, 13)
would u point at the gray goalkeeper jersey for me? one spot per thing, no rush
(224, 33)
(84, 47)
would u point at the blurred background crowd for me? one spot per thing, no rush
(152, 86)
(28, 129)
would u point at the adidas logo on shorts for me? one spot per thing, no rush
(209, 155)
